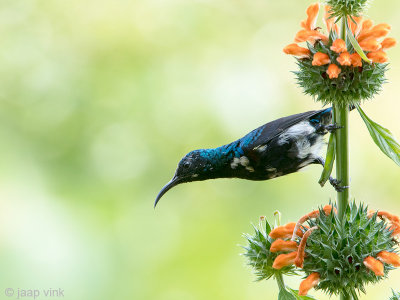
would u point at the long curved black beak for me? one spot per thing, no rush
(173, 182)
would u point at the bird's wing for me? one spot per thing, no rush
(267, 132)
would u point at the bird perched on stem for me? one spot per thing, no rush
(275, 149)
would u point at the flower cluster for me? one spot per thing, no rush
(336, 257)
(331, 68)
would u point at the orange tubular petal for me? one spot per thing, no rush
(284, 232)
(312, 15)
(308, 283)
(302, 247)
(310, 36)
(281, 245)
(366, 25)
(333, 71)
(375, 32)
(314, 214)
(388, 43)
(356, 60)
(296, 50)
(374, 265)
(388, 215)
(283, 260)
(344, 59)
(339, 46)
(278, 232)
(389, 258)
(370, 45)
(378, 56)
(328, 209)
(355, 27)
(320, 59)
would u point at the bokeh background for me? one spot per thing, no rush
(98, 102)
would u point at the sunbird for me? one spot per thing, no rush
(277, 148)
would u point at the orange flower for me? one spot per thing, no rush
(339, 46)
(388, 43)
(281, 245)
(370, 45)
(366, 25)
(374, 265)
(308, 283)
(375, 32)
(310, 36)
(301, 251)
(388, 215)
(333, 71)
(328, 209)
(344, 59)
(378, 56)
(389, 258)
(356, 60)
(283, 260)
(315, 213)
(321, 59)
(284, 232)
(355, 27)
(296, 50)
(312, 15)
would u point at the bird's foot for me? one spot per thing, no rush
(336, 184)
(332, 127)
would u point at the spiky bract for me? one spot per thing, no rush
(337, 249)
(353, 85)
(259, 255)
(341, 8)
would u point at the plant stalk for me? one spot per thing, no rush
(341, 118)
(279, 280)
(341, 115)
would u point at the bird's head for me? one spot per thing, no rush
(195, 166)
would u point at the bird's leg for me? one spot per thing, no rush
(330, 128)
(333, 181)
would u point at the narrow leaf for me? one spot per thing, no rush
(355, 44)
(267, 227)
(382, 137)
(329, 160)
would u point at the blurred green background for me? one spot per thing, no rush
(101, 99)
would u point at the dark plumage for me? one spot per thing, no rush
(275, 149)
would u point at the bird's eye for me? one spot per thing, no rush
(186, 165)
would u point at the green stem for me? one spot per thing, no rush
(341, 115)
(345, 297)
(279, 280)
(341, 118)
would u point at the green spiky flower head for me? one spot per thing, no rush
(341, 8)
(339, 251)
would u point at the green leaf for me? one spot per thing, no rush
(329, 160)
(298, 297)
(382, 137)
(355, 44)
(286, 295)
(267, 227)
